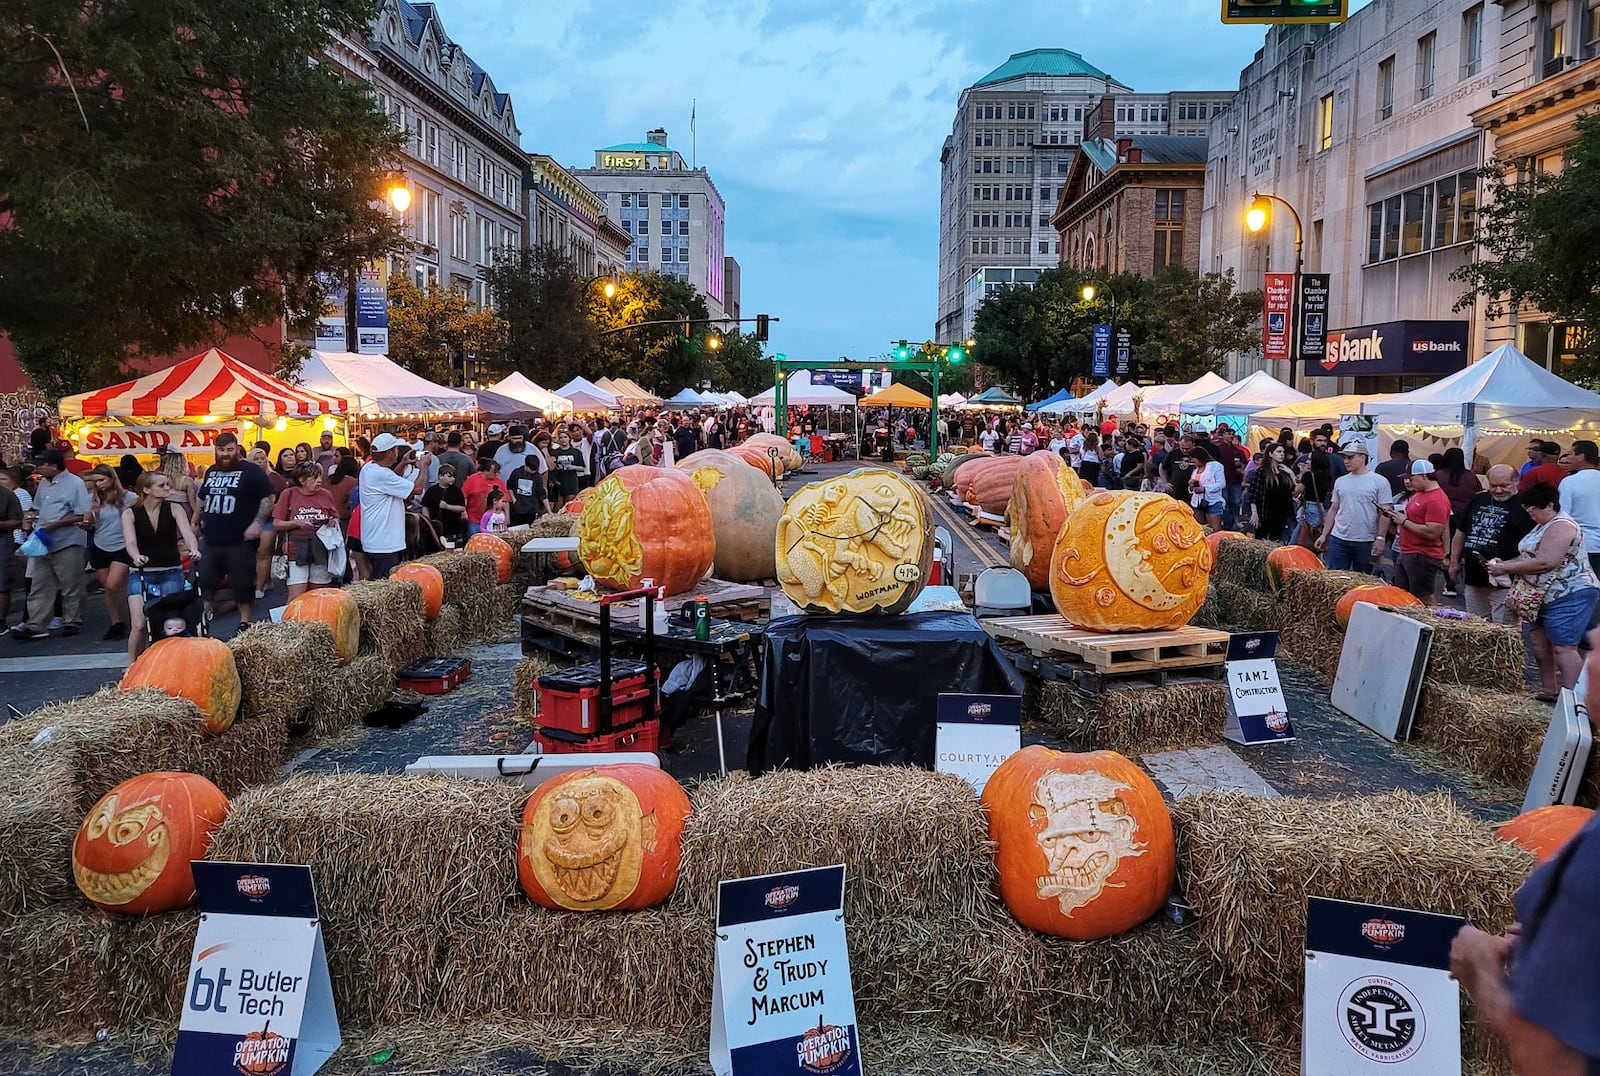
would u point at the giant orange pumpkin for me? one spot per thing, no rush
(1083, 843)
(756, 457)
(1544, 830)
(608, 838)
(133, 849)
(430, 579)
(788, 455)
(335, 608)
(1130, 562)
(1285, 561)
(1375, 594)
(575, 505)
(646, 523)
(745, 509)
(1043, 494)
(200, 670)
(987, 483)
(859, 543)
(496, 547)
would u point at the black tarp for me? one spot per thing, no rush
(861, 690)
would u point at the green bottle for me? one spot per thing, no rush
(702, 618)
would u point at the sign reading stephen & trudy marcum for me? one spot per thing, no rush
(1277, 316)
(1394, 348)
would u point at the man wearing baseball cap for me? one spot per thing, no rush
(384, 492)
(1354, 528)
(1422, 525)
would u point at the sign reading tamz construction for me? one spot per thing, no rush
(1394, 347)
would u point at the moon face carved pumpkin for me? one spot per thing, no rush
(1130, 562)
(646, 523)
(132, 851)
(860, 543)
(602, 839)
(1043, 494)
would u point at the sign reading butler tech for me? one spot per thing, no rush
(1395, 347)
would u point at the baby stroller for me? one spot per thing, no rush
(172, 604)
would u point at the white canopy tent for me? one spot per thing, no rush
(802, 393)
(1166, 399)
(952, 399)
(1255, 393)
(686, 398)
(585, 387)
(735, 397)
(1120, 401)
(1316, 411)
(377, 387)
(519, 387)
(1083, 405)
(1505, 392)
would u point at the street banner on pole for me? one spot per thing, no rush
(1124, 349)
(1275, 338)
(372, 313)
(1313, 316)
(1102, 351)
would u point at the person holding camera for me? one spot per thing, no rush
(388, 480)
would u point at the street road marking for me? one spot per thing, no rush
(64, 663)
(1184, 773)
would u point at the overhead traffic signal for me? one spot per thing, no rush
(761, 327)
(955, 354)
(1284, 11)
(902, 351)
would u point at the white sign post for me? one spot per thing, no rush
(1257, 710)
(1379, 996)
(782, 999)
(975, 733)
(258, 997)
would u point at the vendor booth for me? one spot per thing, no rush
(587, 397)
(380, 389)
(1162, 402)
(994, 397)
(1234, 404)
(189, 405)
(519, 387)
(494, 405)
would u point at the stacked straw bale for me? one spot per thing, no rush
(351, 692)
(1130, 720)
(1473, 653)
(38, 819)
(1310, 634)
(392, 627)
(466, 575)
(282, 668)
(1492, 734)
(448, 632)
(525, 685)
(1243, 563)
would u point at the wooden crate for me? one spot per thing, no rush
(1052, 636)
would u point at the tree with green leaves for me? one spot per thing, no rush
(656, 356)
(174, 171)
(1537, 237)
(1191, 323)
(432, 330)
(1034, 338)
(740, 364)
(550, 309)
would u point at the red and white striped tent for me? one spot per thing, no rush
(212, 383)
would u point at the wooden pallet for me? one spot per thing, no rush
(728, 601)
(1093, 680)
(1052, 636)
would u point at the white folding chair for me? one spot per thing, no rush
(944, 552)
(1001, 591)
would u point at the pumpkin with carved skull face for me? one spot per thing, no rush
(1130, 562)
(609, 838)
(132, 852)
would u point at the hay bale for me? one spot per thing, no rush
(392, 626)
(1310, 634)
(915, 843)
(1253, 610)
(1473, 652)
(1133, 720)
(465, 574)
(489, 615)
(1248, 864)
(351, 692)
(1243, 562)
(1496, 736)
(525, 684)
(448, 632)
(38, 820)
(248, 754)
(527, 569)
(281, 668)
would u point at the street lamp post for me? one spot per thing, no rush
(1089, 292)
(1258, 218)
(398, 195)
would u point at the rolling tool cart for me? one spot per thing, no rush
(608, 705)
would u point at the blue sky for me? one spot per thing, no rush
(821, 121)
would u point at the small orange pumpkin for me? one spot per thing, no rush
(496, 547)
(1083, 842)
(132, 851)
(646, 523)
(200, 670)
(575, 505)
(430, 579)
(1544, 830)
(1375, 594)
(335, 608)
(1285, 561)
(603, 839)
(1130, 562)
(1043, 494)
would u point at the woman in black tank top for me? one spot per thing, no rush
(152, 529)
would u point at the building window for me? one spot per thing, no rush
(508, 238)
(485, 241)
(1325, 123)
(1413, 214)
(1471, 41)
(683, 227)
(627, 201)
(683, 255)
(427, 220)
(644, 226)
(1169, 229)
(1553, 16)
(1429, 217)
(460, 236)
(430, 143)
(1591, 29)
(1425, 50)
(683, 201)
(1386, 89)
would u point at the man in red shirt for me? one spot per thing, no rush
(1423, 525)
(1548, 469)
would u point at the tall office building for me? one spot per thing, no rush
(673, 211)
(1010, 150)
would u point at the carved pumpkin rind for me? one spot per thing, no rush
(859, 543)
(1083, 842)
(603, 839)
(496, 547)
(1376, 594)
(133, 849)
(1543, 831)
(646, 523)
(745, 509)
(200, 670)
(1043, 494)
(335, 608)
(430, 579)
(1130, 562)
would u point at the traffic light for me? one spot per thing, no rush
(684, 327)
(1235, 12)
(955, 354)
(902, 351)
(761, 327)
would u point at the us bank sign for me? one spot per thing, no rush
(1394, 347)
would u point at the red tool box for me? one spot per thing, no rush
(606, 705)
(434, 676)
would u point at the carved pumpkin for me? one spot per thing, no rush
(1043, 494)
(1544, 830)
(200, 670)
(1285, 561)
(988, 484)
(1376, 594)
(745, 509)
(430, 579)
(859, 543)
(262, 1053)
(496, 547)
(1083, 843)
(1130, 562)
(133, 849)
(335, 608)
(608, 838)
(788, 455)
(646, 523)
(1216, 538)
(758, 458)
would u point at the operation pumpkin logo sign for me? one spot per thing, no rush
(782, 997)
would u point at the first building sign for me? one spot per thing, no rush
(622, 160)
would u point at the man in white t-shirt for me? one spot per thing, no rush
(383, 502)
(1580, 495)
(1354, 530)
(1075, 448)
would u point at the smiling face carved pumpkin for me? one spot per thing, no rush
(1130, 562)
(132, 852)
(602, 839)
